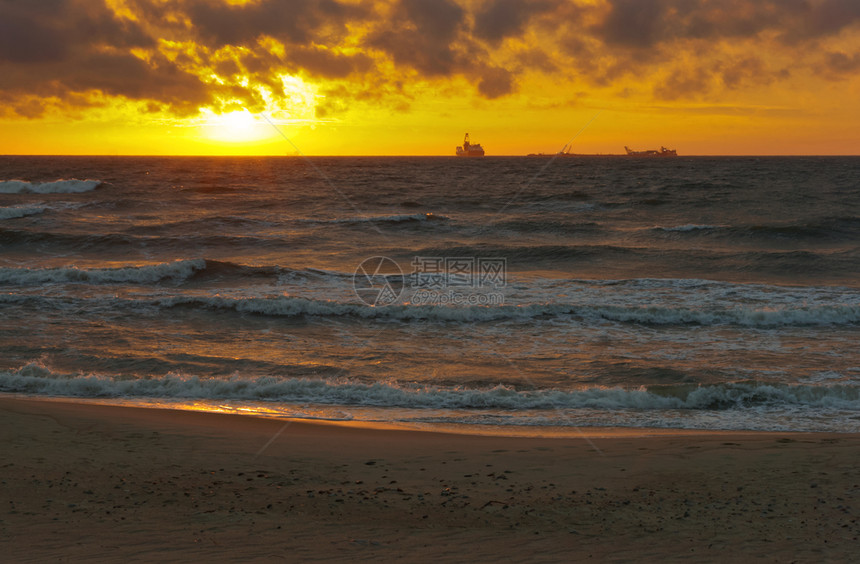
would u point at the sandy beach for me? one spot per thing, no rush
(95, 482)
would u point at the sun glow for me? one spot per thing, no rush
(238, 126)
(220, 78)
(293, 106)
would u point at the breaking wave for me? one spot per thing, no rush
(400, 218)
(13, 212)
(840, 228)
(752, 317)
(689, 227)
(175, 271)
(62, 186)
(36, 379)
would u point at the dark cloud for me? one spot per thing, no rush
(634, 23)
(839, 65)
(25, 38)
(338, 99)
(745, 71)
(79, 52)
(111, 74)
(646, 24)
(640, 37)
(434, 18)
(40, 31)
(30, 108)
(126, 75)
(59, 48)
(496, 82)
(423, 37)
(498, 19)
(432, 37)
(292, 21)
(694, 82)
(684, 83)
(826, 17)
(535, 59)
(323, 62)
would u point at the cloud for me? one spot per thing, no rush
(839, 64)
(292, 21)
(684, 83)
(824, 18)
(25, 39)
(646, 24)
(56, 48)
(496, 82)
(61, 48)
(180, 55)
(423, 36)
(634, 23)
(749, 69)
(323, 62)
(44, 31)
(498, 19)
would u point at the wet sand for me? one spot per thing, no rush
(95, 482)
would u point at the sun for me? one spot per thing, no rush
(238, 126)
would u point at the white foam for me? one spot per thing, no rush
(62, 186)
(14, 212)
(653, 315)
(688, 227)
(177, 271)
(35, 378)
(749, 317)
(389, 218)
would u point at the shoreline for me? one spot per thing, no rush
(457, 429)
(84, 481)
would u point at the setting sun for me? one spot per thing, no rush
(239, 126)
(410, 76)
(429, 280)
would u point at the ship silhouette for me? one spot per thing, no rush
(663, 152)
(469, 149)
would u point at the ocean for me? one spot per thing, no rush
(521, 295)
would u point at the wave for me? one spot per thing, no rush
(197, 225)
(62, 186)
(399, 218)
(291, 307)
(240, 224)
(110, 241)
(559, 227)
(287, 306)
(825, 228)
(14, 212)
(529, 253)
(713, 304)
(74, 240)
(35, 378)
(689, 227)
(176, 271)
(673, 261)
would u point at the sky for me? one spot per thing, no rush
(410, 77)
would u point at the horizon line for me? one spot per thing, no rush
(584, 155)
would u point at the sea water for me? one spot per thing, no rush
(496, 293)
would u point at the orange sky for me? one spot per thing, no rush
(409, 77)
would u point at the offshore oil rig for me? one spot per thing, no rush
(469, 149)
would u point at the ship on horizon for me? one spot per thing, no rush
(663, 152)
(565, 152)
(469, 149)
